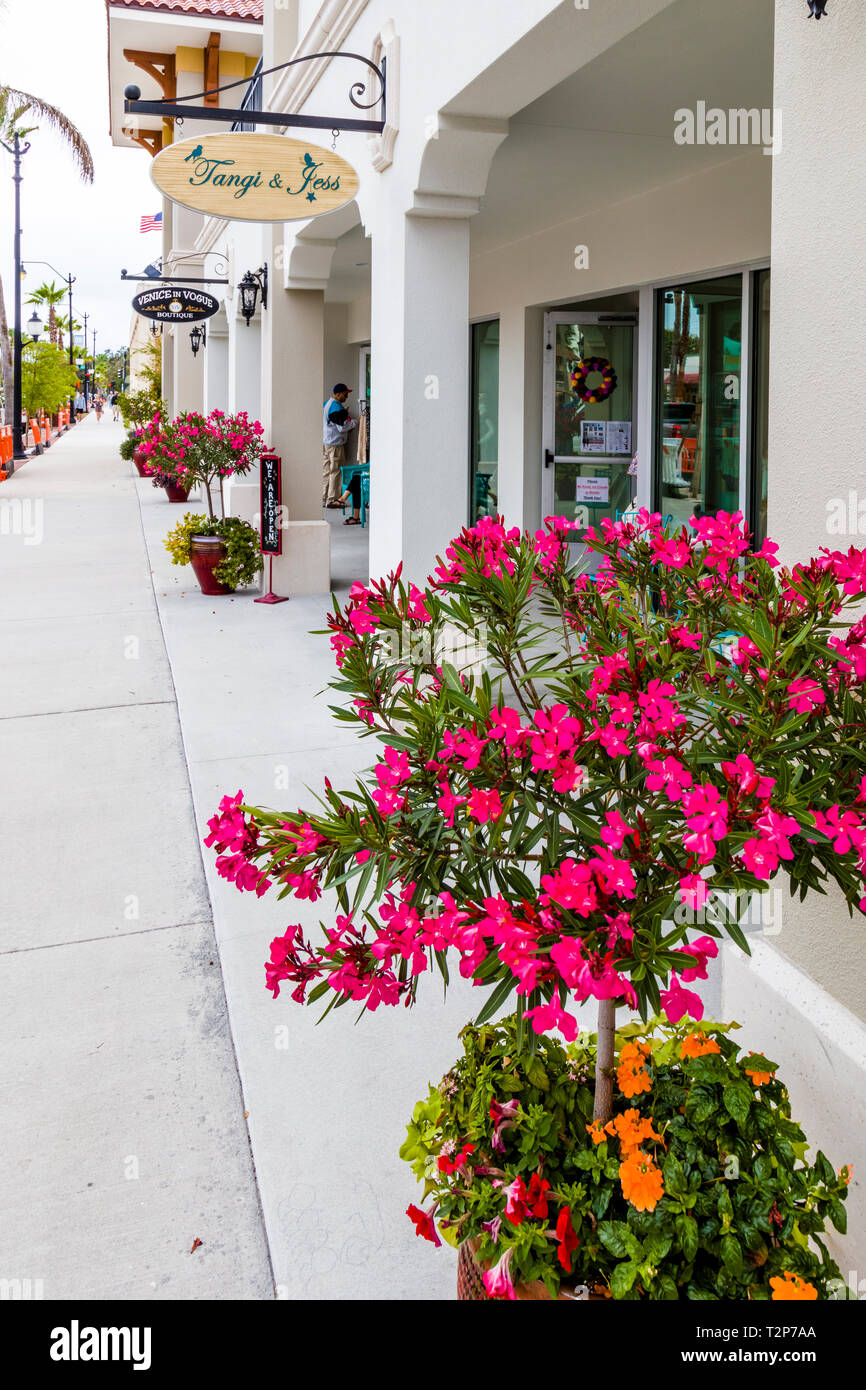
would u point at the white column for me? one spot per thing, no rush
(188, 391)
(216, 366)
(420, 414)
(818, 357)
(291, 412)
(521, 351)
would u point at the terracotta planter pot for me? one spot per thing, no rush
(175, 493)
(138, 459)
(470, 1283)
(206, 553)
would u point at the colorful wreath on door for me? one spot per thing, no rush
(585, 368)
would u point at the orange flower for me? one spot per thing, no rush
(631, 1130)
(846, 1173)
(596, 1129)
(695, 1045)
(632, 1076)
(642, 1182)
(792, 1288)
(759, 1078)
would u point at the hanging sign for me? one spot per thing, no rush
(272, 539)
(254, 178)
(175, 304)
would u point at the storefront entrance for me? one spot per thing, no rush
(590, 378)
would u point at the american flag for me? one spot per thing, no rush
(151, 224)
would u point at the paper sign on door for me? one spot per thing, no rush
(595, 490)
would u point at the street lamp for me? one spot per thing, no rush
(198, 338)
(17, 150)
(249, 288)
(34, 326)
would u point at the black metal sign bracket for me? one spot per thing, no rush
(133, 105)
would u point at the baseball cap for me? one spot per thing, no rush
(340, 388)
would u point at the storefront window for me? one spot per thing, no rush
(484, 482)
(761, 438)
(699, 374)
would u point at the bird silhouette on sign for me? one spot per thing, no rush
(308, 159)
(817, 8)
(194, 154)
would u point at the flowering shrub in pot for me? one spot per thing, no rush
(687, 721)
(233, 563)
(696, 1188)
(223, 551)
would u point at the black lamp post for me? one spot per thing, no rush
(70, 281)
(86, 316)
(254, 282)
(198, 338)
(17, 149)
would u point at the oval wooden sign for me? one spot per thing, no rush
(254, 178)
(175, 304)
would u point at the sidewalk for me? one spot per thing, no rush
(328, 1106)
(124, 1137)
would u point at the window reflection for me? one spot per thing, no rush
(484, 482)
(700, 357)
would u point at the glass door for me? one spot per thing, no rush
(590, 377)
(699, 379)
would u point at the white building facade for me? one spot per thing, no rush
(671, 186)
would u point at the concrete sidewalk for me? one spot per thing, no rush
(124, 1138)
(328, 1106)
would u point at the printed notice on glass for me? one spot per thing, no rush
(593, 490)
(619, 436)
(592, 436)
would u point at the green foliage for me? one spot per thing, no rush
(243, 559)
(739, 1206)
(47, 380)
(127, 447)
(139, 407)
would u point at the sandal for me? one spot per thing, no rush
(352, 521)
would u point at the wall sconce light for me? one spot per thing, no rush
(198, 338)
(817, 8)
(250, 286)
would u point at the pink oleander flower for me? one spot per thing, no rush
(552, 1015)
(806, 695)
(483, 805)
(703, 948)
(678, 1002)
(761, 857)
(572, 886)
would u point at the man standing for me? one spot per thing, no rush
(337, 425)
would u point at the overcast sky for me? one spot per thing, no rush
(58, 49)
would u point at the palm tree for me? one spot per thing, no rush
(50, 294)
(63, 327)
(15, 104)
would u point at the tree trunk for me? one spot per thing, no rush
(603, 1108)
(6, 358)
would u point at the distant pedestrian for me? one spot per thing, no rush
(115, 407)
(337, 425)
(100, 406)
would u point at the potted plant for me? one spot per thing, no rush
(162, 453)
(138, 409)
(696, 1188)
(222, 568)
(223, 551)
(685, 723)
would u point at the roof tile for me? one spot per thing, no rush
(249, 10)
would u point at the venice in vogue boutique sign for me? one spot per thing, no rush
(175, 304)
(254, 178)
